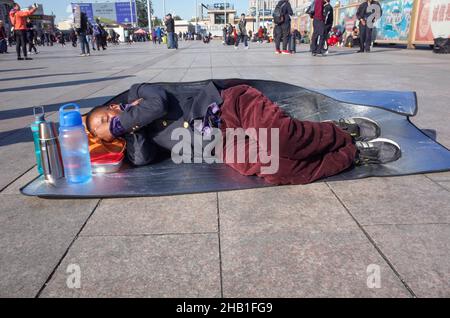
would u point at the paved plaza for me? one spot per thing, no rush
(323, 239)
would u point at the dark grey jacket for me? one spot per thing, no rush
(150, 125)
(362, 13)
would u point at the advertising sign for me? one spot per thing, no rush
(433, 20)
(347, 18)
(395, 22)
(119, 12)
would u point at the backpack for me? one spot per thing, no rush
(310, 10)
(278, 16)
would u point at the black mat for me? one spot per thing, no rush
(392, 110)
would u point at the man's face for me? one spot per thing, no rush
(102, 116)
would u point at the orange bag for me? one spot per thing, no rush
(105, 153)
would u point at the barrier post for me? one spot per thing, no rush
(413, 25)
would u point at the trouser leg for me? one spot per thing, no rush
(362, 36)
(368, 41)
(286, 29)
(278, 33)
(308, 151)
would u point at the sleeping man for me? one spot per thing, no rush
(306, 151)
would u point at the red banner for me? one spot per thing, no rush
(433, 20)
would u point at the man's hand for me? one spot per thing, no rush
(137, 102)
(363, 22)
(104, 133)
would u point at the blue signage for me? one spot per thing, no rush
(123, 12)
(120, 12)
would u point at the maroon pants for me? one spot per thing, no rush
(308, 151)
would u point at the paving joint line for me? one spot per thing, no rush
(371, 240)
(47, 281)
(148, 234)
(437, 183)
(220, 246)
(16, 179)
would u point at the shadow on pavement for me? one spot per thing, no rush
(41, 75)
(23, 135)
(63, 84)
(28, 111)
(22, 69)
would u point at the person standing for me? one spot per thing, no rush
(365, 11)
(170, 28)
(30, 37)
(98, 31)
(282, 20)
(159, 34)
(19, 23)
(328, 20)
(318, 38)
(3, 39)
(242, 32)
(82, 37)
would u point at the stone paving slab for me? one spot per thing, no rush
(398, 200)
(142, 266)
(420, 253)
(296, 242)
(293, 241)
(159, 215)
(34, 234)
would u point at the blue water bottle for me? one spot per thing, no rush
(74, 145)
(39, 117)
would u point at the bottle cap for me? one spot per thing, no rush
(39, 114)
(70, 118)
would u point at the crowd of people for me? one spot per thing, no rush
(324, 34)
(95, 37)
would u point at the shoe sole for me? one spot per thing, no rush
(389, 141)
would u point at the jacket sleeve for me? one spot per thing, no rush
(360, 12)
(328, 15)
(153, 106)
(25, 13)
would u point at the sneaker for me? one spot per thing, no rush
(360, 128)
(89, 54)
(82, 55)
(28, 59)
(235, 47)
(20, 58)
(286, 52)
(277, 52)
(246, 48)
(378, 151)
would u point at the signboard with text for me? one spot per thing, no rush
(119, 12)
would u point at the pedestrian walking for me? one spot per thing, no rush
(242, 32)
(30, 37)
(328, 20)
(3, 38)
(282, 20)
